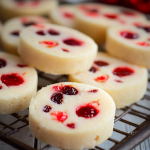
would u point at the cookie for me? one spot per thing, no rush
(118, 78)
(14, 8)
(63, 15)
(130, 44)
(18, 84)
(12, 28)
(72, 115)
(56, 50)
(95, 19)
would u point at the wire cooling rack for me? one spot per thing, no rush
(14, 129)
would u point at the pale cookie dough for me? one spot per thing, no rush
(12, 29)
(57, 50)
(72, 115)
(126, 83)
(130, 44)
(18, 84)
(95, 19)
(14, 8)
(63, 15)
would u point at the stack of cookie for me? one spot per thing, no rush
(72, 115)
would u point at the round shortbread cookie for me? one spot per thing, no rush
(72, 115)
(63, 15)
(95, 19)
(12, 28)
(18, 84)
(126, 83)
(56, 49)
(130, 44)
(14, 8)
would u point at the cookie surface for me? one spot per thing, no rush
(119, 79)
(56, 49)
(72, 115)
(12, 29)
(128, 43)
(95, 19)
(18, 84)
(63, 15)
(14, 8)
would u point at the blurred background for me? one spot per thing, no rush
(140, 5)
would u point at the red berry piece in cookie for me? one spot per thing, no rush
(111, 16)
(47, 109)
(70, 125)
(17, 79)
(143, 44)
(57, 98)
(93, 69)
(62, 49)
(118, 78)
(2, 63)
(101, 63)
(59, 116)
(123, 71)
(15, 33)
(129, 35)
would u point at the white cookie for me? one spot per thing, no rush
(12, 28)
(130, 44)
(18, 84)
(63, 15)
(72, 115)
(126, 83)
(56, 49)
(95, 19)
(14, 8)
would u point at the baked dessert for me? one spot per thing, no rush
(63, 15)
(72, 115)
(95, 19)
(14, 8)
(18, 84)
(118, 78)
(130, 44)
(12, 28)
(56, 49)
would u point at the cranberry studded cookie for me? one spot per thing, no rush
(18, 84)
(119, 79)
(12, 28)
(63, 15)
(95, 19)
(130, 44)
(72, 115)
(14, 8)
(57, 50)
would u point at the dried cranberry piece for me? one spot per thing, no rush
(146, 28)
(26, 24)
(65, 50)
(71, 125)
(128, 13)
(57, 98)
(15, 33)
(111, 16)
(22, 66)
(119, 81)
(68, 15)
(12, 79)
(101, 63)
(40, 32)
(2, 63)
(87, 111)
(53, 32)
(123, 71)
(93, 91)
(129, 35)
(93, 69)
(1, 87)
(47, 109)
(59, 116)
(69, 90)
(102, 79)
(73, 42)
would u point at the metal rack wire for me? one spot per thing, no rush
(130, 139)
